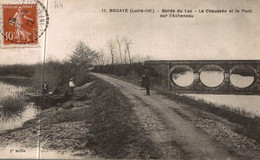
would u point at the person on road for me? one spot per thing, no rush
(146, 81)
(72, 85)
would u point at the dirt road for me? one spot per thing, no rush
(167, 129)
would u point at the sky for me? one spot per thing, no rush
(207, 36)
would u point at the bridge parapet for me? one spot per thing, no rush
(208, 76)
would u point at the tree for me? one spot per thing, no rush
(102, 57)
(111, 47)
(128, 42)
(119, 48)
(83, 57)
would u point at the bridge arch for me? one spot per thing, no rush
(245, 70)
(178, 71)
(227, 67)
(216, 74)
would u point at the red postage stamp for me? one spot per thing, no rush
(20, 24)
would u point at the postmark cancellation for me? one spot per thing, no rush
(22, 24)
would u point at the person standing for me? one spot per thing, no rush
(146, 81)
(45, 88)
(72, 85)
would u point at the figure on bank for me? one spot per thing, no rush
(45, 88)
(72, 85)
(146, 81)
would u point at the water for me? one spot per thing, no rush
(248, 102)
(183, 79)
(15, 120)
(241, 81)
(214, 78)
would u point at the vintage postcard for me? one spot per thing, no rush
(130, 79)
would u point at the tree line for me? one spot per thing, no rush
(119, 52)
(56, 74)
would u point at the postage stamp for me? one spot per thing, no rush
(22, 24)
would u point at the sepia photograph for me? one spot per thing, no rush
(130, 79)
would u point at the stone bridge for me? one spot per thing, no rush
(207, 76)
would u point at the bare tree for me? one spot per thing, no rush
(125, 55)
(128, 42)
(107, 60)
(102, 57)
(119, 48)
(111, 47)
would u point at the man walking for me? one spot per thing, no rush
(146, 81)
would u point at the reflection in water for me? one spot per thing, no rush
(212, 78)
(247, 102)
(183, 79)
(12, 106)
(14, 110)
(28, 113)
(241, 81)
(9, 90)
(242, 77)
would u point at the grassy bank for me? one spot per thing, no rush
(102, 125)
(118, 133)
(249, 124)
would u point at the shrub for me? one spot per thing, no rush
(12, 106)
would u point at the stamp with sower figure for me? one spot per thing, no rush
(20, 24)
(23, 24)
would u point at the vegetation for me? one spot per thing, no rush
(18, 69)
(89, 127)
(12, 106)
(116, 127)
(124, 69)
(249, 121)
(55, 73)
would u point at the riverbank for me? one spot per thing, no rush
(86, 128)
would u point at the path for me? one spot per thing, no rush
(166, 128)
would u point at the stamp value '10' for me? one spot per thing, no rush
(20, 24)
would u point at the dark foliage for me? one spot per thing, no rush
(18, 69)
(125, 69)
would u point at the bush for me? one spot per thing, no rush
(54, 73)
(12, 106)
(57, 76)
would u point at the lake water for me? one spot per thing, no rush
(15, 121)
(247, 102)
(213, 79)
